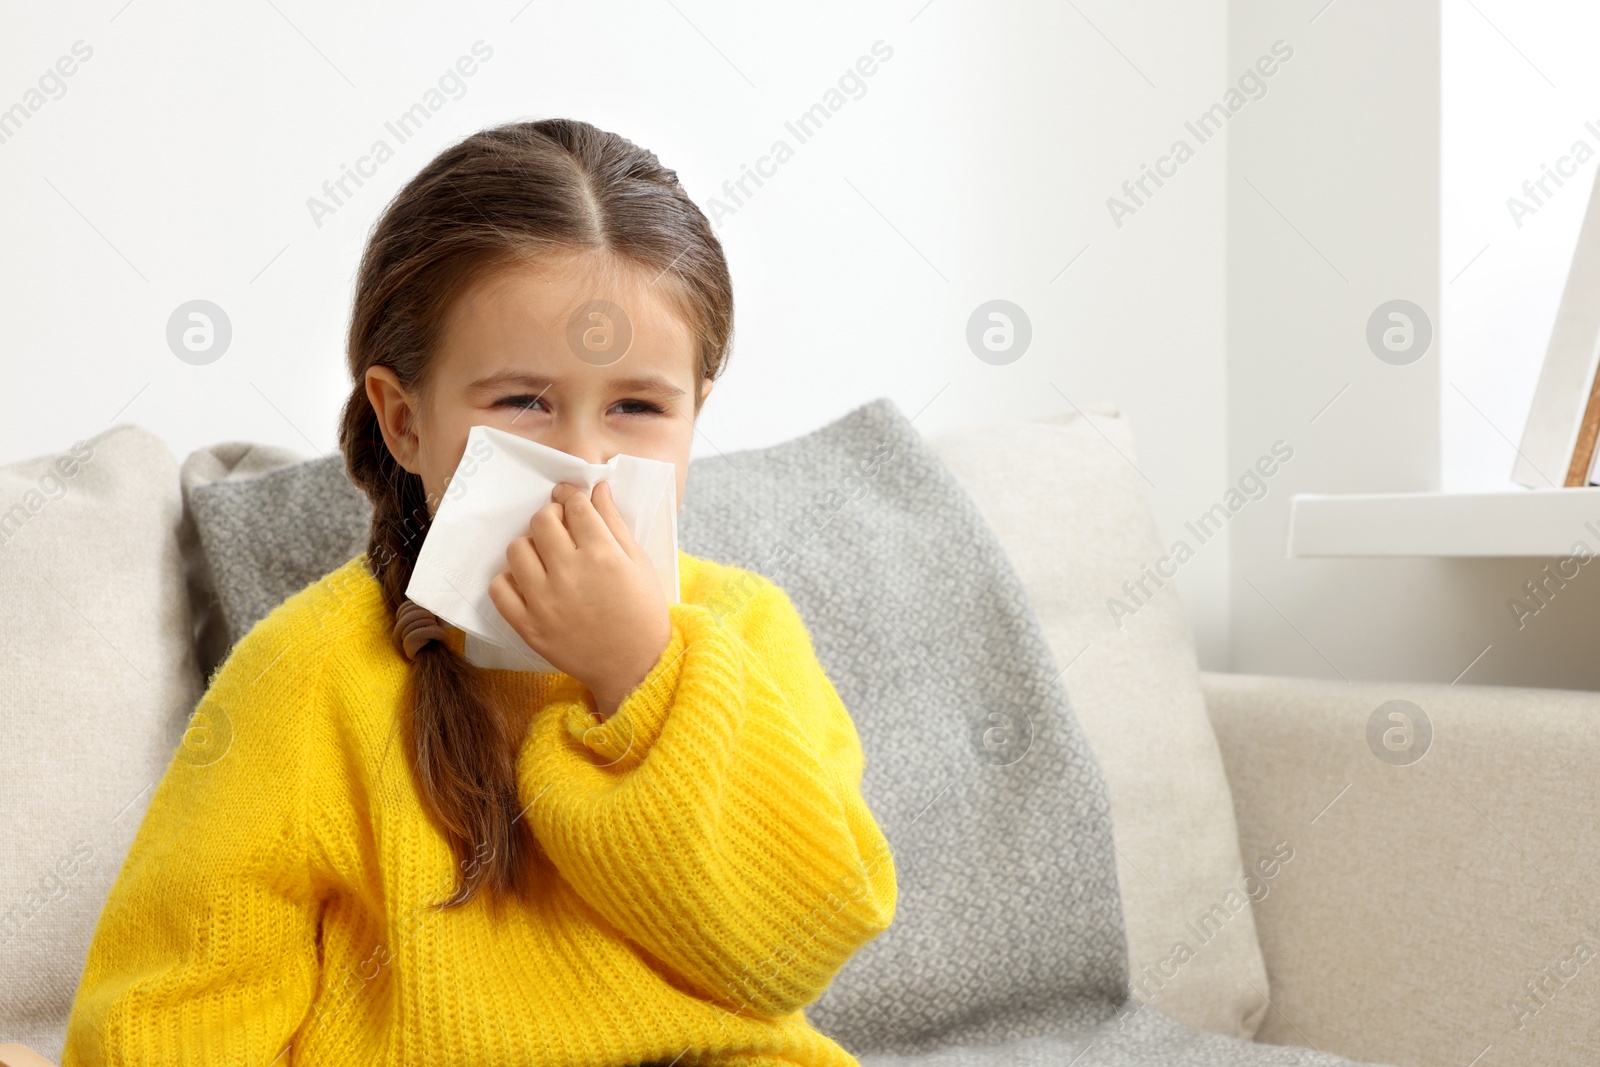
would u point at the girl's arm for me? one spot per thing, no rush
(716, 819)
(207, 946)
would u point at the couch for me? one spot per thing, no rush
(1391, 872)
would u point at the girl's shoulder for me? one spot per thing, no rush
(293, 644)
(344, 601)
(705, 581)
(733, 593)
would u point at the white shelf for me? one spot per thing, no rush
(1520, 522)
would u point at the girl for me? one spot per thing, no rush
(658, 853)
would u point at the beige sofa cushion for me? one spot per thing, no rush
(1076, 527)
(97, 684)
(1439, 907)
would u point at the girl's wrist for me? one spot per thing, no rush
(606, 705)
(609, 693)
(608, 697)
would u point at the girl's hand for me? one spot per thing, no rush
(584, 595)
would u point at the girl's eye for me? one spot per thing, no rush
(522, 402)
(641, 407)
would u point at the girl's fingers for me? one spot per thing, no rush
(584, 524)
(548, 529)
(503, 591)
(525, 565)
(507, 599)
(605, 505)
(593, 519)
(511, 599)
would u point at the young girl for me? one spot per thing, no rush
(657, 854)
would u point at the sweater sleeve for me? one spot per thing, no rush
(207, 948)
(716, 818)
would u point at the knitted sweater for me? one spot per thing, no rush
(708, 861)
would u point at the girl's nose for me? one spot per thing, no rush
(585, 448)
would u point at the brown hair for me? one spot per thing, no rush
(511, 192)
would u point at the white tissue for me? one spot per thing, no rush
(501, 481)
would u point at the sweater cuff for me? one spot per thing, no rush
(622, 741)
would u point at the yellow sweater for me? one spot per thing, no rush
(710, 863)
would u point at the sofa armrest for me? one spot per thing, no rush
(1434, 909)
(21, 1056)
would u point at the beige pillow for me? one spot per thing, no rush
(1076, 526)
(97, 682)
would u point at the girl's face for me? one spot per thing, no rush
(519, 352)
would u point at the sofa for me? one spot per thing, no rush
(1394, 873)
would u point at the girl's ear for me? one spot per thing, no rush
(705, 389)
(396, 413)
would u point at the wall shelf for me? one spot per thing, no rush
(1519, 522)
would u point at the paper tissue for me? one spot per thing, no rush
(501, 481)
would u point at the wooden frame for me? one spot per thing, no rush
(1563, 424)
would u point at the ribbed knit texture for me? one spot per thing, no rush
(709, 863)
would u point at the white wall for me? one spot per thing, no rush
(1392, 153)
(978, 164)
(1333, 210)
(1520, 89)
(178, 163)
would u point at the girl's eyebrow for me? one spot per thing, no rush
(650, 383)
